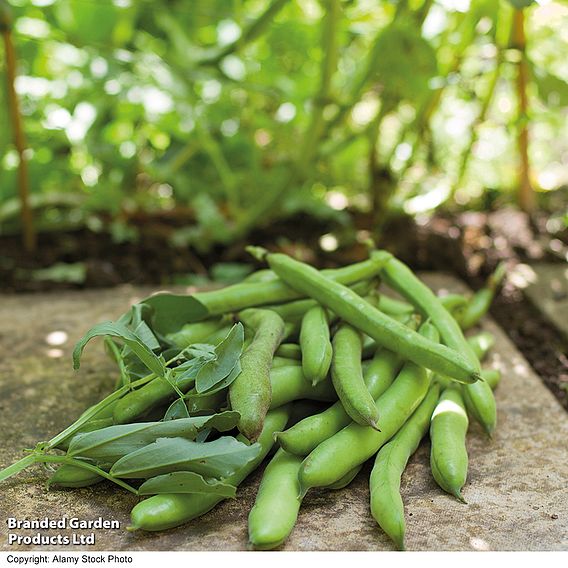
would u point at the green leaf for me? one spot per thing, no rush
(219, 458)
(91, 22)
(135, 320)
(62, 272)
(176, 410)
(520, 4)
(115, 329)
(186, 482)
(171, 312)
(145, 334)
(113, 442)
(236, 371)
(551, 89)
(227, 354)
(204, 351)
(404, 61)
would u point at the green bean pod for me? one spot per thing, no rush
(448, 454)
(166, 511)
(393, 307)
(291, 331)
(315, 345)
(284, 362)
(250, 393)
(346, 479)
(397, 275)
(355, 444)
(196, 332)
(306, 435)
(89, 426)
(492, 377)
(386, 331)
(347, 377)
(263, 275)
(276, 507)
(296, 310)
(139, 402)
(100, 419)
(479, 398)
(289, 351)
(481, 404)
(453, 301)
(73, 476)
(481, 301)
(481, 343)
(386, 502)
(240, 296)
(289, 384)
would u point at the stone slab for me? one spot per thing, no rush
(517, 490)
(547, 289)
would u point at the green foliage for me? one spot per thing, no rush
(404, 62)
(209, 107)
(110, 444)
(219, 458)
(185, 482)
(520, 4)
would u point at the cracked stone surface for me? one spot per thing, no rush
(517, 490)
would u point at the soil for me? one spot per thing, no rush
(468, 244)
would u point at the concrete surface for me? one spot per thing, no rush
(547, 289)
(517, 489)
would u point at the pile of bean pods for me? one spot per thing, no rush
(322, 366)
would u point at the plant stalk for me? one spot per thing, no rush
(526, 196)
(28, 229)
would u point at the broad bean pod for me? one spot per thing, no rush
(355, 444)
(448, 454)
(250, 393)
(315, 344)
(397, 275)
(386, 502)
(385, 330)
(275, 510)
(347, 377)
(169, 510)
(306, 435)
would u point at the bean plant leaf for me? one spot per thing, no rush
(136, 319)
(219, 458)
(201, 350)
(203, 435)
(235, 372)
(186, 482)
(113, 442)
(135, 343)
(227, 354)
(404, 61)
(145, 334)
(520, 4)
(551, 89)
(188, 369)
(176, 410)
(206, 403)
(171, 312)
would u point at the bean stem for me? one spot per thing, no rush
(90, 412)
(45, 458)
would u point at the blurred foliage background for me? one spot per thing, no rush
(221, 117)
